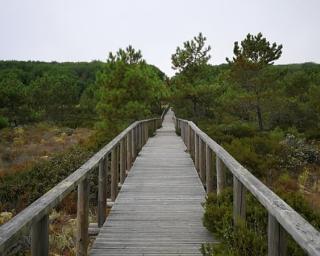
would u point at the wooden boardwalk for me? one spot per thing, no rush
(158, 210)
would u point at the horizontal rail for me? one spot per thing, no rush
(292, 222)
(132, 139)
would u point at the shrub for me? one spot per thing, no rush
(4, 122)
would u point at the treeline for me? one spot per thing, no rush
(68, 93)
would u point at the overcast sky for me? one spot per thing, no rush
(85, 30)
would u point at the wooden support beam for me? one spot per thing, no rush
(202, 161)
(196, 157)
(114, 170)
(133, 145)
(221, 175)
(102, 191)
(209, 171)
(129, 151)
(40, 237)
(277, 238)
(82, 218)
(239, 201)
(122, 161)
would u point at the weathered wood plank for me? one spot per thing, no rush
(102, 192)
(82, 219)
(40, 237)
(277, 240)
(158, 209)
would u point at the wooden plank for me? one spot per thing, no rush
(221, 175)
(129, 151)
(209, 171)
(40, 237)
(196, 142)
(114, 176)
(82, 219)
(102, 192)
(239, 201)
(122, 161)
(158, 210)
(202, 161)
(277, 240)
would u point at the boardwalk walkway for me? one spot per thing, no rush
(158, 210)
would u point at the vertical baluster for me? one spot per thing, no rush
(202, 160)
(188, 138)
(122, 161)
(82, 218)
(146, 135)
(197, 153)
(277, 238)
(129, 151)
(209, 173)
(102, 191)
(239, 200)
(40, 237)
(133, 146)
(221, 175)
(114, 170)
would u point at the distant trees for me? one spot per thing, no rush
(250, 59)
(38, 91)
(129, 89)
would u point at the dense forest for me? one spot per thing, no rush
(267, 116)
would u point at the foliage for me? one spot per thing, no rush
(248, 64)
(129, 89)
(188, 87)
(39, 91)
(249, 238)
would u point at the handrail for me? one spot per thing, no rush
(125, 146)
(164, 112)
(280, 215)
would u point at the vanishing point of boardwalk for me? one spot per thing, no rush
(158, 210)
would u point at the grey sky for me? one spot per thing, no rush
(84, 30)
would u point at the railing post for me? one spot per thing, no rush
(146, 131)
(209, 173)
(189, 138)
(133, 145)
(221, 175)
(40, 237)
(239, 201)
(196, 157)
(277, 238)
(114, 176)
(122, 162)
(202, 160)
(129, 151)
(82, 218)
(102, 191)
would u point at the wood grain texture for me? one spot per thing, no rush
(82, 219)
(158, 210)
(40, 237)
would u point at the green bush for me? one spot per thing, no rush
(4, 122)
(249, 238)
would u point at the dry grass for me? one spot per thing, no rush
(20, 147)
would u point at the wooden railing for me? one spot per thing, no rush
(282, 218)
(121, 151)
